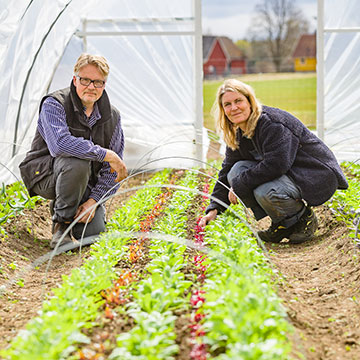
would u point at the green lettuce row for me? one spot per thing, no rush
(75, 304)
(151, 339)
(352, 167)
(157, 296)
(345, 203)
(126, 218)
(244, 317)
(13, 200)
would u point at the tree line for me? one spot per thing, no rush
(272, 36)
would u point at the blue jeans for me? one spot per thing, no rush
(280, 198)
(67, 186)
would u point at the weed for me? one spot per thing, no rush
(12, 266)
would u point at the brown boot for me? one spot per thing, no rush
(305, 228)
(58, 232)
(275, 233)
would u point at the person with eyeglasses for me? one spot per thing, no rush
(76, 157)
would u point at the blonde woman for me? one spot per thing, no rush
(273, 163)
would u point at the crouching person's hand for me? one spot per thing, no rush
(86, 218)
(232, 197)
(116, 164)
(211, 215)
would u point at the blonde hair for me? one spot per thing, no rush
(87, 59)
(223, 124)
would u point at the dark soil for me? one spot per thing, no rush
(319, 282)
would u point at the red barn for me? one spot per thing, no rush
(222, 57)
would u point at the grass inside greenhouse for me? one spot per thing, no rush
(295, 93)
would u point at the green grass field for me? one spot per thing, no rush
(292, 92)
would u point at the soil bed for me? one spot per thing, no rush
(318, 281)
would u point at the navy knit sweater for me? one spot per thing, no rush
(283, 145)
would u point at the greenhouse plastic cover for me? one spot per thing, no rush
(151, 78)
(342, 78)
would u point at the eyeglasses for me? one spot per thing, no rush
(86, 82)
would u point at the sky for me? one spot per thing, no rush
(232, 18)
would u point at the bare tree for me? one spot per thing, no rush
(279, 23)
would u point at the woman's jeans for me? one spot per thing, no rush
(280, 198)
(67, 186)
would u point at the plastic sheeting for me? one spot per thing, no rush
(150, 47)
(342, 77)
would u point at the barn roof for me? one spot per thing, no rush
(208, 41)
(230, 49)
(306, 46)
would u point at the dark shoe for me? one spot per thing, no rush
(305, 228)
(58, 232)
(275, 233)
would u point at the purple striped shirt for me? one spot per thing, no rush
(54, 130)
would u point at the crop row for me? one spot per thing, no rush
(13, 200)
(153, 266)
(345, 203)
(163, 291)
